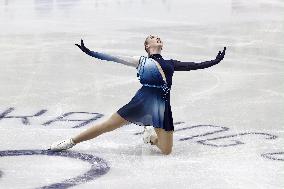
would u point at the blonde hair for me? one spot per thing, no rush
(153, 40)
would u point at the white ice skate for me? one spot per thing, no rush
(62, 145)
(147, 133)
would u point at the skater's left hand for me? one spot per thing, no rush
(221, 55)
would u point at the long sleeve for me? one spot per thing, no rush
(126, 60)
(187, 66)
(103, 56)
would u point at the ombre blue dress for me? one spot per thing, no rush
(151, 103)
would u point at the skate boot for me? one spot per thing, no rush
(147, 133)
(62, 145)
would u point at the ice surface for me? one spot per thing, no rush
(228, 118)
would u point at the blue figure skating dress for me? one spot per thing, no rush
(151, 104)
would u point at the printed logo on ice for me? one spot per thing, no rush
(200, 134)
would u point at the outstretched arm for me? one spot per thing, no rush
(126, 60)
(187, 66)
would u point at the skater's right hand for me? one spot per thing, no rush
(82, 47)
(221, 55)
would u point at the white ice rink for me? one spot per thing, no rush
(228, 118)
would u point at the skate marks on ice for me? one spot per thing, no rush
(98, 168)
(274, 156)
(227, 140)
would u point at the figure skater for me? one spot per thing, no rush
(150, 107)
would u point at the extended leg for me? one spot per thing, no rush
(114, 122)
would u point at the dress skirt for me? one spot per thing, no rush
(149, 107)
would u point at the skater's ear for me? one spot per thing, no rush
(147, 47)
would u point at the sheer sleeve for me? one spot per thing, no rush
(187, 66)
(126, 60)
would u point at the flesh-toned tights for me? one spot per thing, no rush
(164, 139)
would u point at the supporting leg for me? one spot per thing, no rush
(164, 140)
(114, 122)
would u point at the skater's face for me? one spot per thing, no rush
(153, 41)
